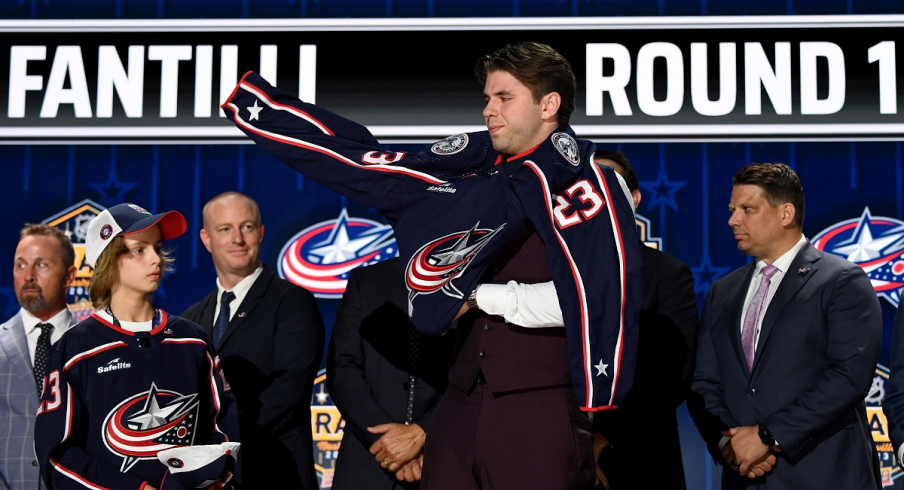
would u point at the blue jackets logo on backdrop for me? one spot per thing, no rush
(875, 243)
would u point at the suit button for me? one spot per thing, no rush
(482, 354)
(486, 327)
(34, 462)
(751, 392)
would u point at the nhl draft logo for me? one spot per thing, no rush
(878, 425)
(450, 145)
(149, 422)
(875, 243)
(320, 257)
(105, 232)
(436, 264)
(328, 427)
(567, 146)
(74, 223)
(139, 209)
(645, 232)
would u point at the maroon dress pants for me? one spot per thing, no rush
(535, 439)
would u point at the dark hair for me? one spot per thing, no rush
(539, 67)
(52, 231)
(779, 183)
(627, 172)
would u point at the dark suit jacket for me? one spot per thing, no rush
(813, 367)
(665, 365)
(367, 371)
(270, 354)
(893, 405)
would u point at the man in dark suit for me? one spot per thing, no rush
(665, 365)
(270, 337)
(787, 351)
(372, 357)
(893, 405)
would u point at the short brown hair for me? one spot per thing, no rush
(106, 271)
(779, 183)
(539, 67)
(41, 229)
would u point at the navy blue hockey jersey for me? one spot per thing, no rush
(454, 207)
(113, 399)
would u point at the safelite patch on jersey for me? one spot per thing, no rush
(567, 147)
(450, 145)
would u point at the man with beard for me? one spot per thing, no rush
(42, 271)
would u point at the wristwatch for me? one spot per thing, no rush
(766, 436)
(472, 299)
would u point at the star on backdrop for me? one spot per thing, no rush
(706, 273)
(662, 190)
(112, 191)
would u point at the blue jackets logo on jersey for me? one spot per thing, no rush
(436, 264)
(567, 146)
(149, 422)
(320, 257)
(450, 145)
(874, 243)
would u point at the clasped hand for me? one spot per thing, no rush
(399, 450)
(745, 452)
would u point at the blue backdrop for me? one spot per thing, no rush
(686, 186)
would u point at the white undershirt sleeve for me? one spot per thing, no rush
(527, 305)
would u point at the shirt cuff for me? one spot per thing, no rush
(723, 442)
(492, 298)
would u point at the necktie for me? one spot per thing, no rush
(42, 352)
(417, 342)
(219, 327)
(751, 320)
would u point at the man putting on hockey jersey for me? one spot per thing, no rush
(520, 202)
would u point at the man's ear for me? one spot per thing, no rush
(788, 215)
(637, 198)
(205, 238)
(549, 105)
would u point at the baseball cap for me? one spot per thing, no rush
(190, 467)
(125, 219)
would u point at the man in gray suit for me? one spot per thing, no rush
(787, 351)
(43, 268)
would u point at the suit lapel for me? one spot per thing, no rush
(207, 311)
(736, 303)
(15, 345)
(254, 296)
(802, 268)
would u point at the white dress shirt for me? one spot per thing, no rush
(240, 291)
(60, 323)
(782, 264)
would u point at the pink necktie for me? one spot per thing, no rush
(751, 320)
